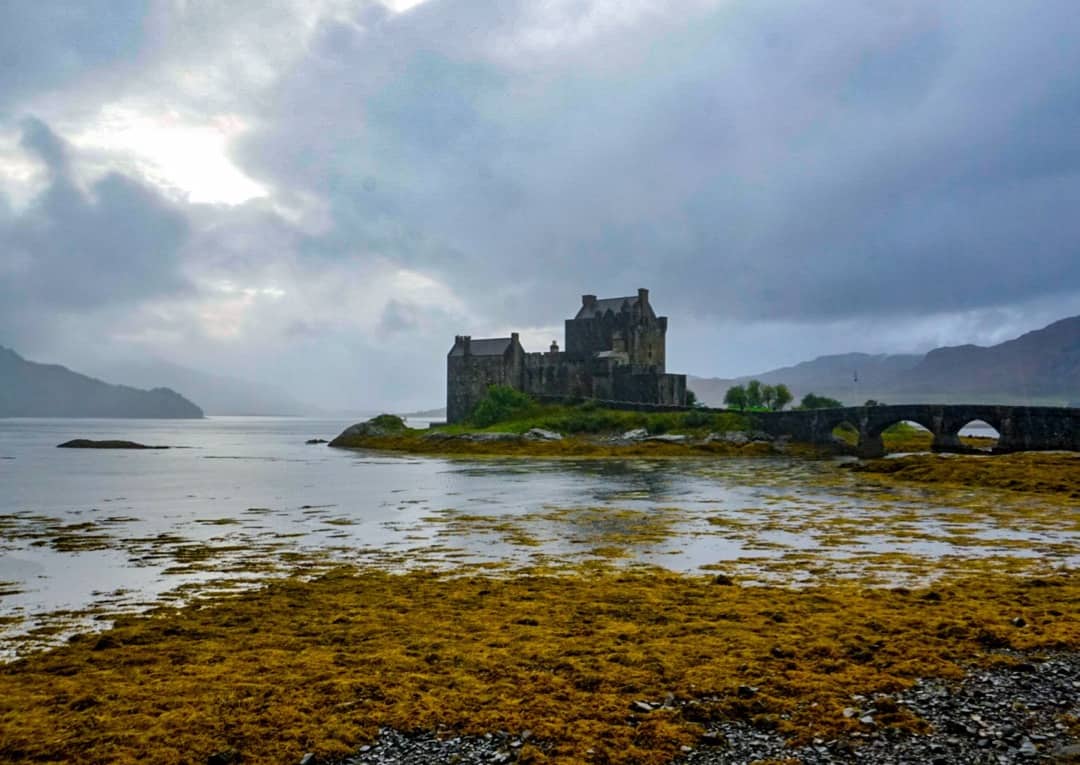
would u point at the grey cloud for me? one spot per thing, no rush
(45, 45)
(812, 162)
(75, 251)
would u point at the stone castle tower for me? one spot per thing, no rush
(615, 351)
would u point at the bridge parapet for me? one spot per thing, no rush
(1020, 428)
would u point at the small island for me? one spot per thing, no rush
(86, 443)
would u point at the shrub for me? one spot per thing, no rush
(387, 422)
(727, 422)
(501, 403)
(657, 425)
(814, 401)
(696, 419)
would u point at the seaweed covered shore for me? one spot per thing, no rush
(597, 664)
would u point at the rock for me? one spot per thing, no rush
(723, 580)
(86, 443)
(1028, 748)
(308, 759)
(224, 757)
(437, 435)
(1067, 754)
(641, 706)
(669, 438)
(487, 438)
(850, 712)
(637, 434)
(539, 434)
(316, 441)
(734, 437)
(866, 720)
(383, 425)
(746, 691)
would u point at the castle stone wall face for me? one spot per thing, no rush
(641, 337)
(468, 378)
(610, 355)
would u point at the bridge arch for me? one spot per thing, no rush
(881, 424)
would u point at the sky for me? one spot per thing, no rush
(319, 194)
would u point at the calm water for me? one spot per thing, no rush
(246, 493)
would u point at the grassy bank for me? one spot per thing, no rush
(319, 665)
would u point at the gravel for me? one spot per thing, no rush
(993, 716)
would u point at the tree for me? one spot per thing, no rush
(781, 397)
(692, 399)
(754, 399)
(814, 401)
(735, 398)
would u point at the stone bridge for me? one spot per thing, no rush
(1021, 428)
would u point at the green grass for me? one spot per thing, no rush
(590, 418)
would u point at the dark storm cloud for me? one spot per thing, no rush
(809, 162)
(48, 44)
(76, 251)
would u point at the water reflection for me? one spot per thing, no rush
(267, 502)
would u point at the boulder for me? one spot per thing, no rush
(734, 437)
(383, 425)
(637, 434)
(539, 434)
(669, 438)
(488, 438)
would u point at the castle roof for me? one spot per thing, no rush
(603, 305)
(485, 346)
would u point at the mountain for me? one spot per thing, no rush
(1043, 364)
(1039, 367)
(28, 389)
(848, 377)
(216, 394)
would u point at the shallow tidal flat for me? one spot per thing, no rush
(600, 611)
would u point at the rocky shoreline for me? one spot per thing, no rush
(1017, 713)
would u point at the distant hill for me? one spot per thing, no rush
(28, 389)
(846, 377)
(1040, 367)
(216, 394)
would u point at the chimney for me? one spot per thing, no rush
(514, 339)
(554, 347)
(643, 296)
(466, 340)
(588, 302)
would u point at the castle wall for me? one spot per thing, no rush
(468, 377)
(647, 387)
(641, 336)
(552, 374)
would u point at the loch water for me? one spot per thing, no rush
(238, 497)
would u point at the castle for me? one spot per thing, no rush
(614, 351)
